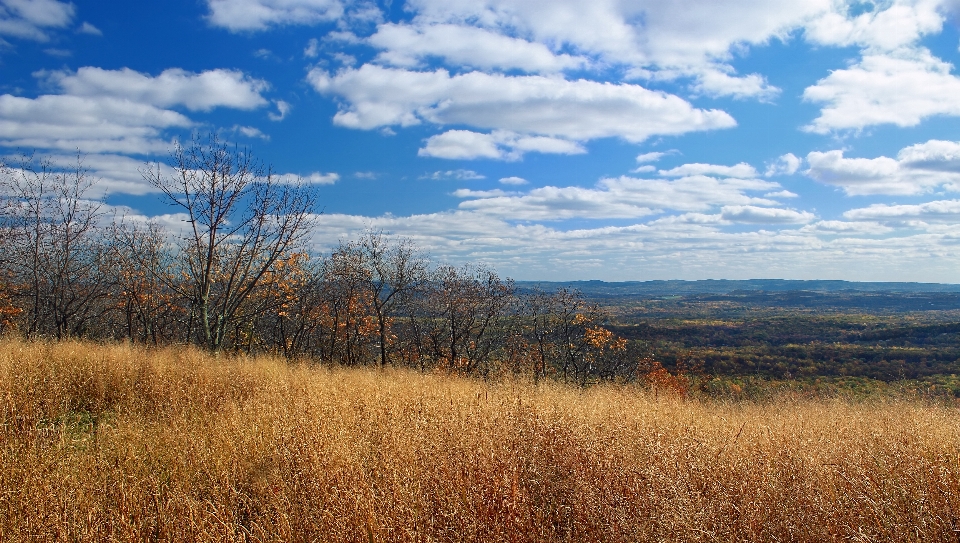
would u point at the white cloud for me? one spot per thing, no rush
(469, 193)
(173, 87)
(917, 169)
(459, 175)
(31, 19)
(344, 59)
(781, 194)
(91, 124)
(688, 246)
(882, 25)
(247, 15)
(556, 203)
(312, 50)
(848, 227)
(461, 144)
(55, 52)
(315, 178)
(121, 111)
(649, 157)
(87, 28)
(250, 132)
(409, 45)
(655, 39)
(936, 211)
(264, 54)
(787, 164)
(624, 197)
(900, 88)
(549, 106)
(765, 215)
(500, 145)
(513, 180)
(714, 82)
(934, 155)
(112, 173)
(283, 108)
(742, 169)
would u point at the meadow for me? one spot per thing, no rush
(113, 442)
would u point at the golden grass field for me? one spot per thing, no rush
(119, 443)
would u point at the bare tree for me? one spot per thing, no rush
(240, 220)
(53, 250)
(143, 270)
(464, 315)
(391, 271)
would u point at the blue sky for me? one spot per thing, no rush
(560, 139)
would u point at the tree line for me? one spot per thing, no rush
(234, 273)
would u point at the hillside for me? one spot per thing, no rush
(117, 443)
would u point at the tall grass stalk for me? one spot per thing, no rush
(117, 443)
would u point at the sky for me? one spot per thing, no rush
(549, 139)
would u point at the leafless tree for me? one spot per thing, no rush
(240, 220)
(392, 270)
(52, 247)
(465, 308)
(143, 270)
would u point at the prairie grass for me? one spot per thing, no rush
(118, 443)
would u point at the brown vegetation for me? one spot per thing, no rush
(122, 443)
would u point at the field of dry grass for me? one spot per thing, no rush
(115, 443)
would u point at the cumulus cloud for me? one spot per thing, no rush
(765, 215)
(32, 19)
(408, 46)
(624, 197)
(461, 144)
(740, 170)
(113, 173)
(513, 180)
(92, 124)
(283, 108)
(312, 50)
(716, 83)
(787, 164)
(458, 175)
(689, 246)
(120, 111)
(882, 26)
(87, 28)
(650, 157)
(470, 193)
(936, 211)
(550, 106)
(901, 88)
(653, 39)
(847, 227)
(499, 145)
(917, 169)
(252, 15)
(934, 155)
(781, 194)
(314, 178)
(250, 132)
(173, 87)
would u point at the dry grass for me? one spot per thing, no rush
(104, 443)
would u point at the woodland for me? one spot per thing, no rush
(230, 271)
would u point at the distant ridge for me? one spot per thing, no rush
(603, 289)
